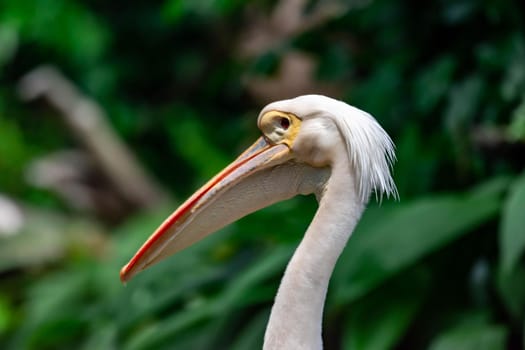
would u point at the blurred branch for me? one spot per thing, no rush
(494, 137)
(288, 18)
(498, 144)
(74, 177)
(297, 72)
(88, 122)
(296, 76)
(33, 238)
(11, 217)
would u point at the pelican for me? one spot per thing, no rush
(309, 144)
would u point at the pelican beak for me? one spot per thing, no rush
(241, 188)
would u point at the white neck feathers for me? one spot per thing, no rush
(296, 318)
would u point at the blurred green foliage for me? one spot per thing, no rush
(441, 269)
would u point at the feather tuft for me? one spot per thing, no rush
(370, 149)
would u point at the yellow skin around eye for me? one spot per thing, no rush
(271, 126)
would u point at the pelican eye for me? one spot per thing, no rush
(285, 123)
(279, 127)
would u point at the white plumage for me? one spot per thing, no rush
(369, 148)
(310, 144)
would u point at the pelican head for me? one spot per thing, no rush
(303, 140)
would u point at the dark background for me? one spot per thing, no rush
(111, 113)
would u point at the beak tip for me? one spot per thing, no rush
(125, 274)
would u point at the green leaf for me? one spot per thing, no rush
(433, 83)
(8, 43)
(463, 102)
(511, 286)
(380, 319)
(512, 233)
(44, 22)
(393, 237)
(252, 334)
(158, 333)
(188, 136)
(252, 279)
(516, 129)
(14, 152)
(5, 314)
(232, 297)
(471, 337)
(514, 81)
(103, 337)
(175, 10)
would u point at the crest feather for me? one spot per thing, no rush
(371, 152)
(370, 149)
